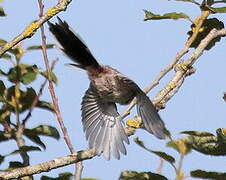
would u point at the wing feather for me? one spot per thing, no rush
(102, 125)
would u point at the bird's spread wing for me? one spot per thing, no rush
(102, 125)
(146, 110)
(151, 119)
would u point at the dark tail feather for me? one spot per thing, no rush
(149, 115)
(72, 45)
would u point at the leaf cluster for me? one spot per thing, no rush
(18, 99)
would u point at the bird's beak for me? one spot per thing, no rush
(74, 66)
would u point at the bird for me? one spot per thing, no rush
(102, 124)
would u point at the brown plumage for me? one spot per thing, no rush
(101, 121)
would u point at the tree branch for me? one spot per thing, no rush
(180, 54)
(49, 165)
(79, 166)
(31, 29)
(175, 83)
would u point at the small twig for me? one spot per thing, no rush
(179, 169)
(159, 169)
(51, 88)
(20, 143)
(79, 166)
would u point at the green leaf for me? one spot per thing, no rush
(25, 149)
(33, 136)
(151, 16)
(4, 116)
(133, 175)
(39, 47)
(62, 176)
(23, 73)
(28, 77)
(2, 159)
(46, 130)
(28, 73)
(2, 12)
(27, 98)
(2, 88)
(219, 10)
(207, 26)
(208, 175)
(181, 145)
(53, 77)
(46, 105)
(221, 135)
(6, 56)
(15, 164)
(3, 137)
(2, 41)
(14, 74)
(162, 155)
(197, 133)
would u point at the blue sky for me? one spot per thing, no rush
(117, 36)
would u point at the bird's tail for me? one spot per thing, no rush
(149, 115)
(72, 45)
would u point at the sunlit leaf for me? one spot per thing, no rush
(23, 73)
(4, 115)
(133, 175)
(151, 16)
(2, 12)
(62, 176)
(219, 10)
(39, 47)
(28, 73)
(2, 159)
(33, 136)
(221, 134)
(162, 155)
(45, 105)
(53, 77)
(180, 145)
(3, 137)
(2, 42)
(28, 77)
(197, 133)
(14, 74)
(26, 149)
(208, 175)
(46, 130)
